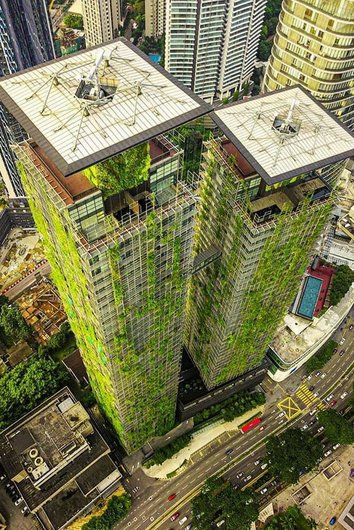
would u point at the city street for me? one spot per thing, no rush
(151, 508)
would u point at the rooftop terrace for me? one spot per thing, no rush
(97, 103)
(284, 134)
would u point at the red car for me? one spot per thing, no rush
(175, 516)
(333, 402)
(171, 497)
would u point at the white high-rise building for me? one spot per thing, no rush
(211, 45)
(101, 20)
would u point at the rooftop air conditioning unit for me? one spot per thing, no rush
(38, 461)
(33, 452)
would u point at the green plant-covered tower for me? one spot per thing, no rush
(263, 203)
(102, 179)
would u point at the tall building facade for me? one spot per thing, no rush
(117, 223)
(101, 20)
(25, 40)
(155, 17)
(211, 45)
(264, 200)
(314, 47)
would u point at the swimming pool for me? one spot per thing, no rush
(309, 297)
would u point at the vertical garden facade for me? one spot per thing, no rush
(236, 303)
(120, 255)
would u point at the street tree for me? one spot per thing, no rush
(292, 453)
(337, 428)
(13, 324)
(219, 500)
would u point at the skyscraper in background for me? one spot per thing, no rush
(314, 47)
(101, 20)
(155, 18)
(211, 45)
(264, 199)
(25, 40)
(104, 187)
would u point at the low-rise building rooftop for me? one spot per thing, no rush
(55, 452)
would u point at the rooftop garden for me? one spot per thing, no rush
(121, 172)
(342, 280)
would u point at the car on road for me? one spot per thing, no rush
(312, 412)
(344, 395)
(229, 451)
(25, 511)
(309, 377)
(351, 326)
(18, 501)
(175, 516)
(304, 427)
(247, 478)
(312, 388)
(188, 527)
(329, 398)
(171, 497)
(333, 521)
(310, 423)
(342, 352)
(320, 429)
(239, 475)
(263, 466)
(323, 375)
(318, 373)
(257, 462)
(333, 402)
(342, 341)
(261, 428)
(183, 520)
(316, 394)
(264, 490)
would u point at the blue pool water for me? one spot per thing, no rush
(309, 297)
(155, 58)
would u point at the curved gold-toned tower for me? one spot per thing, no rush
(314, 47)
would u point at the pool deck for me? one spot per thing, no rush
(324, 273)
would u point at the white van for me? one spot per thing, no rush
(220, 523)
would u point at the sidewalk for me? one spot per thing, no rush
(199, 440)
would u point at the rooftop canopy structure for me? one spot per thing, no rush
(285, 133)
(97, 103)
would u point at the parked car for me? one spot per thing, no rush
(263, 466)
(264, 490)
(18, 501)
(320, 429)
(351, 327)
(344, 395)
(329, 398)
(333, 402)
(175, 516)
(183, 520)
(332, 521)
(327, 453)
(336, 446)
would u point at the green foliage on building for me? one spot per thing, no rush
(291, 519)
(169, 450)
(337, 428)
(73, 21)
(117, 508)
(319, 359)
(342, 280)
(218, 500)
(121, 172)
(158, 407)
(25, 386)
(67, 273)
(292, 453)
